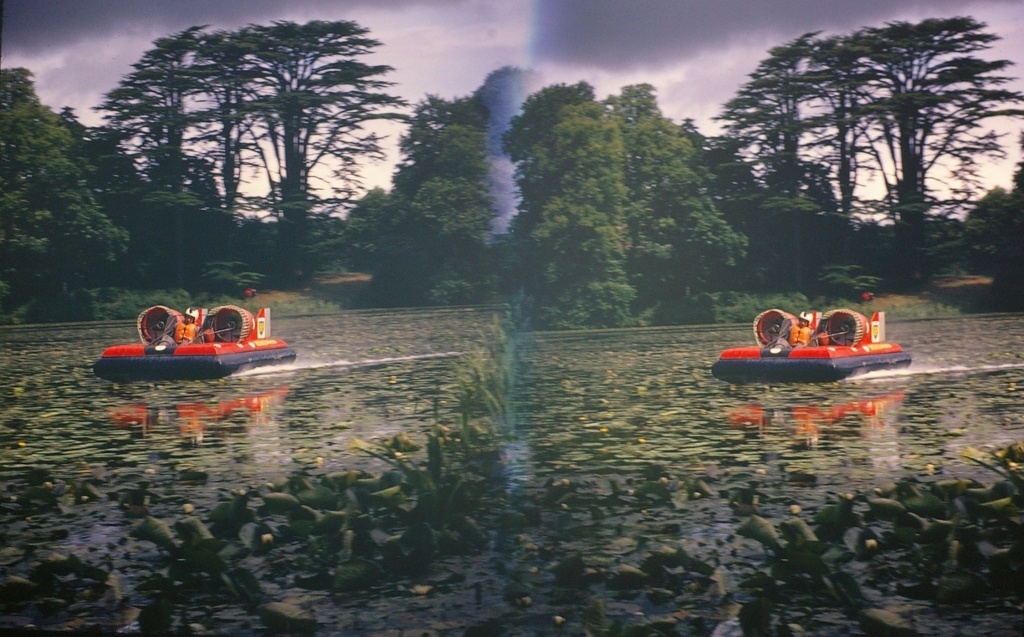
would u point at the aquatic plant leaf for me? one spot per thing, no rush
(804, 561)
(846, 588)
(936, 531)
(756, 617)
(797, 532)
(36, 496)
(155, 618)
(470, 531)
(882, 623)
(626, 577)
(242, 584)
(287, 617)
(330, 522)
(1004, 508)
(760, 530)
(951, 488)
(90, 490)
(926, 505)
(306, 513)
(319, 497)
(653, 491)
(155, 531)
(403, 443)
(594, 619)
(958, 588)
(393, 497)
(885, 508)
(201, 559)
(279, 503)
(192, 531)
(355, 575)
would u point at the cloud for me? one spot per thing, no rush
(612, 34)
(34, 25)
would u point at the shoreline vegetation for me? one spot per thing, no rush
(943, 297)
(835, 173)
(439, 528)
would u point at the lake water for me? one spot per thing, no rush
(608, 402)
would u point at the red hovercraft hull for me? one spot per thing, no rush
(234, 349)
(774, 363)
(807, 364)
(127, 363)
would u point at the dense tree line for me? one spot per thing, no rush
(227, 157)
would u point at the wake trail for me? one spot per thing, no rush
(370, 362)
(924, 370)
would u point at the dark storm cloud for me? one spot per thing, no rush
(622, 34)
(32, 25)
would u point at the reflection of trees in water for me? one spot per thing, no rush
(809, 422)
(193, 419)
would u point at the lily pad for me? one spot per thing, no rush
(155, 531)
(626, 577)
(761, 530)
(885, 508)
(959, 587)
(356, 575)
(287, 617)
(882, 623)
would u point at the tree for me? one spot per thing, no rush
(994, 230)
(929, 99)
(677, 237)
(528, 143)
(570, 171)
(835, 77)
(53, 236)
(426, 242)
(223, 114)
(313, 96)
(767, 117)
(150, 108)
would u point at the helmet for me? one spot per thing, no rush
(193, 313)
(807, 316)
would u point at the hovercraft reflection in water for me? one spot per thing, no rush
(229, 340)
(194, 419)
(809, 422)
(843, 344)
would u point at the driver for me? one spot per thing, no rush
(800, 334)
(186, 331)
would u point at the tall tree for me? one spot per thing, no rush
(836, 79)
(930, 97)
(995, 233)
(150, 107)
(768, 117)
(314, 97)
(570, 171)
(678, 239)
(426, 242)
(53, 236)
(223, 113)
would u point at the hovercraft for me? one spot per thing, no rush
(230, 340)
(844, 344)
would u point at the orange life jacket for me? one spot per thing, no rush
(799, 335)
(185, 332)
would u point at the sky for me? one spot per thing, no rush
(696, 53)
